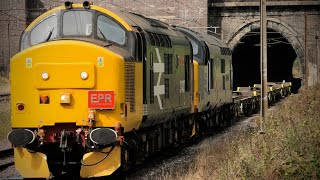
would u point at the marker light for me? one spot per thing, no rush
(45, 76)
(68, 4)
(44, 99)
(20, 107)
(65, 98)
(86, 5)
(84, 75)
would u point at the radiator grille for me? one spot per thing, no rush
(130, 91)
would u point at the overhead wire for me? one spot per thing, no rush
(14, 17)
(114, 4)
(24, 9)
(188, 6)
(167, 12)
(278, 42)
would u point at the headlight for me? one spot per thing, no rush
(45, 76)
(84, 75)
(65, 98)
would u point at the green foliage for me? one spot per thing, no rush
(296, 68)
(290, 149)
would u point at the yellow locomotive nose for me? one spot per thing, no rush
(56, 85)
(63, 80)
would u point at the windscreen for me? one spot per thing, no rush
(44, 31)
(77, 23)
(195, 46)
(110, 30)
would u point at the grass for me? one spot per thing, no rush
(290, 148)
(296, 69)
(5, 124)
(4, 85)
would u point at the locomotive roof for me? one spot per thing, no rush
(125, 18)
(153, 26)
(201, 36)
(129, 20)
(148, 24)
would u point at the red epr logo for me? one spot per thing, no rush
(101, 100)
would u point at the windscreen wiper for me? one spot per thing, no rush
(49, 35)
(104, 37)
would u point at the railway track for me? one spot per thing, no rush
(6, 157)
(4, 96)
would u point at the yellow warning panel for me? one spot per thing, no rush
(31, 165)
(104, 168)
(64, 75)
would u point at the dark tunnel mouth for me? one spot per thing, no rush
(246, 60)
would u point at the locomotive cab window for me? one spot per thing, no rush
(44, 31)
(109, 30)
(77, 23)
(195, 47)
(24, 43)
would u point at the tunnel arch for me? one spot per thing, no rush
(275, 26)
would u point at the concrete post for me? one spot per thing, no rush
(263, 64)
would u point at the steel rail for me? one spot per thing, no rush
(4, 96)
(4, 155)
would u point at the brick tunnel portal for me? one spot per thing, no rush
(246, 60)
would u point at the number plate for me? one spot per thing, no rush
(101, 100)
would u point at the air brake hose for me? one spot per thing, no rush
(107, 154)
